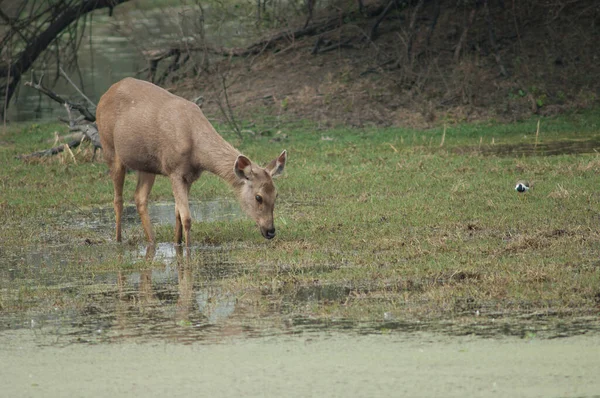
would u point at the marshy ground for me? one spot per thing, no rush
(388, 239)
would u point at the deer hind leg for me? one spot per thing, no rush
(183, 217)
(144, 186)
(118, 171)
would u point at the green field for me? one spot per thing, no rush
(376, 225)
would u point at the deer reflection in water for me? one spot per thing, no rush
(155, 308)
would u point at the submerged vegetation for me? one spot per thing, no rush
(384, 226)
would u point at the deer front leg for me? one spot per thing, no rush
(183, 217)
(142, 191)
(178, 227)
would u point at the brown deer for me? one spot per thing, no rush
(145, 128)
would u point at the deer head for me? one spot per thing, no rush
(256, 191)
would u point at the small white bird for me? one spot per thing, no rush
(522, 186)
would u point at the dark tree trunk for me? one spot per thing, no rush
(11, 74)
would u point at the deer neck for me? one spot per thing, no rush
(218, 157)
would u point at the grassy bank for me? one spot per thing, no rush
(381, 223)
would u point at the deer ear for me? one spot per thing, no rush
(277, 165)
(243, 167)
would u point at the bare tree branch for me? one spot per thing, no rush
(411, 28)
(89, 116)
(384, 13)
(76, 88)
(463, 36)
(493, 42)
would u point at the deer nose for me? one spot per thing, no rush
(270, 234)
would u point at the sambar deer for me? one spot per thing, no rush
(146, 128)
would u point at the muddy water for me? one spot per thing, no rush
(324, 365)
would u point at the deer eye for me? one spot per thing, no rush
(258, 198)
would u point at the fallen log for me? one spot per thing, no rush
(84, 124)
(52, 151)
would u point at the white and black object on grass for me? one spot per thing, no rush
(522, 186)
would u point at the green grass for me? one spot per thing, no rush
(412, 229)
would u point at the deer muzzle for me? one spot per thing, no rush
(268, 233)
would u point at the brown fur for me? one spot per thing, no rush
(145, 128)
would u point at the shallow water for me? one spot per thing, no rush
(549, 148)
(160, 214)
(103, 292)
(109, 293)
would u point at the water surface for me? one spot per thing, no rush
(101, 292)
(547, 148)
